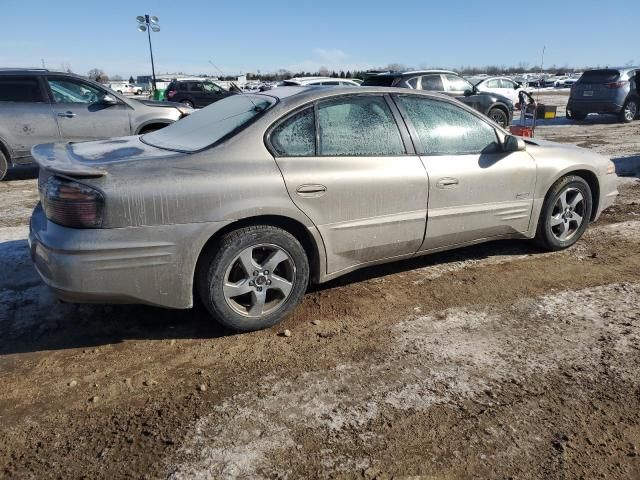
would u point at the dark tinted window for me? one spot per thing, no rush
(358, 126)
(19, 89)
(296, 136)
(600, 76)
(196, 87)
(379, 81)
(432, 83)
(445, 129)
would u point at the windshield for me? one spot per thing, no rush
(205, 127)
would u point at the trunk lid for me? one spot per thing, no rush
(92, 159)
(593, 85)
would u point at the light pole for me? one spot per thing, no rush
(148, 23)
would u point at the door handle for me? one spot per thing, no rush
(67, 114)
(447, 182)
(311, 190)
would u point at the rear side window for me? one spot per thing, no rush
(296, 136)
(432, 83)
(600, 76)
(446, 129)
(358, 126)
(20, 89)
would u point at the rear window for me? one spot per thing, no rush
(600, 76)
(20, 89)
(205, 127)
(378, 81)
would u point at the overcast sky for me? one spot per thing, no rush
(246, 36)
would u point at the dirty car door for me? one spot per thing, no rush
(354, 179)
(81, 116)
(476, 190)
(26, 117)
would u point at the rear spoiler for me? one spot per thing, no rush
(58, 158)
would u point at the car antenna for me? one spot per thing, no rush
(236, 86)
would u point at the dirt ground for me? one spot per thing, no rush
(497, 361)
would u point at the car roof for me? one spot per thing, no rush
(412, 72)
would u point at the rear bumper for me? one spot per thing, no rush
(593, 106)
(150, 265)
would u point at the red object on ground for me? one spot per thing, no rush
(521, 131)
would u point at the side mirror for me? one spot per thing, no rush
(468, 92)
(108, 100)
(513, 144)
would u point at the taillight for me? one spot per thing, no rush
(619, 84)
(171, 93)
(72, 204)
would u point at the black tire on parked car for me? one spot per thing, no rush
(4, 166)
(630, 111)
(573, 115)
(499, 116)
(187, 103)
(565, 213)
(251, 278)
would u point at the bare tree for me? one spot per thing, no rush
(98, 75)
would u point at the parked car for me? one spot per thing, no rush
(325, 81)
(606, 91)
(493, 105)
(38, 106)
(195, 93)
(249, 199)
(125, 88)
(501, 85)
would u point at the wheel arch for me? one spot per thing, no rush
(592, 180)
(151, 123)
(312, 246)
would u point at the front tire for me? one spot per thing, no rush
(629, 111)
(499, 116)
(565, 214)
(187, 103)
(253, 277)
(4, 166)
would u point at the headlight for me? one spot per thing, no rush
(611, 168)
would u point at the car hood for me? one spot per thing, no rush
(92, 159)
(157, 103)
(547, 150)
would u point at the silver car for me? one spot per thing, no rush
(38, 105)
(248, 200)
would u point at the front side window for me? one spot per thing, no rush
(432, 83)
(358, 126)
(66, 90)
(504, 83)
(20, 89)
(211, 87)
(446, 129)
(296, 136)
(458, 84)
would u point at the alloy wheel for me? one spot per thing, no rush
(630, 111)
(568, 214)
(259, 280)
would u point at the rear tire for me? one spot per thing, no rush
(4, 166)
(573, 115)
(629, 111)
(499, 116)
(565, 213)
(253, 277)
